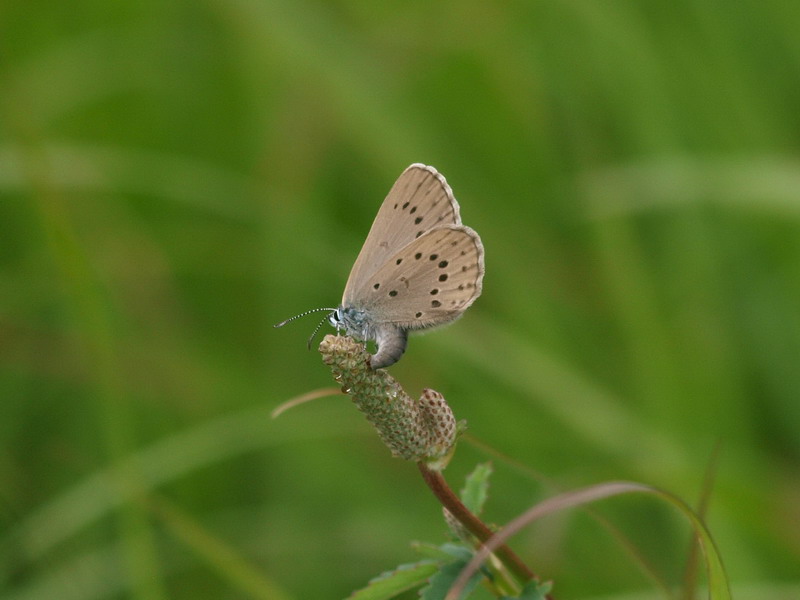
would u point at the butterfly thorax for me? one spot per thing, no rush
(353, 321)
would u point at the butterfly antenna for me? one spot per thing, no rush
(308, 312)
(316, 330)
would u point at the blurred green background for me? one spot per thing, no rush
(175, 177)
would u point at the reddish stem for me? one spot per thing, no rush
(474, 525)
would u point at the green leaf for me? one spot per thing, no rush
(444, 552)
(431, 551)
(391, 583)
(457, 551)
(476, 488)
(534, 590)
(443, 580)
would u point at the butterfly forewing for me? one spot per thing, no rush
(419, 201)
(431, 281)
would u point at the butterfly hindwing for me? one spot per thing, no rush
(429, 282)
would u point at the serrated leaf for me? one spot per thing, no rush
(391, 583)
(476, 488)
(441, 582)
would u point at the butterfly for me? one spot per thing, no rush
(419, 267)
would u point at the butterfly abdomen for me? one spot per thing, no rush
(391, 341)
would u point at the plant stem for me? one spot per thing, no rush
(474, 525)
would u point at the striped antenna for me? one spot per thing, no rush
(308, 312)
(313, 335)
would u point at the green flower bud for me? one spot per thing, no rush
(423, 430)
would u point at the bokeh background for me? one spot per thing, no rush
(175, 177)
